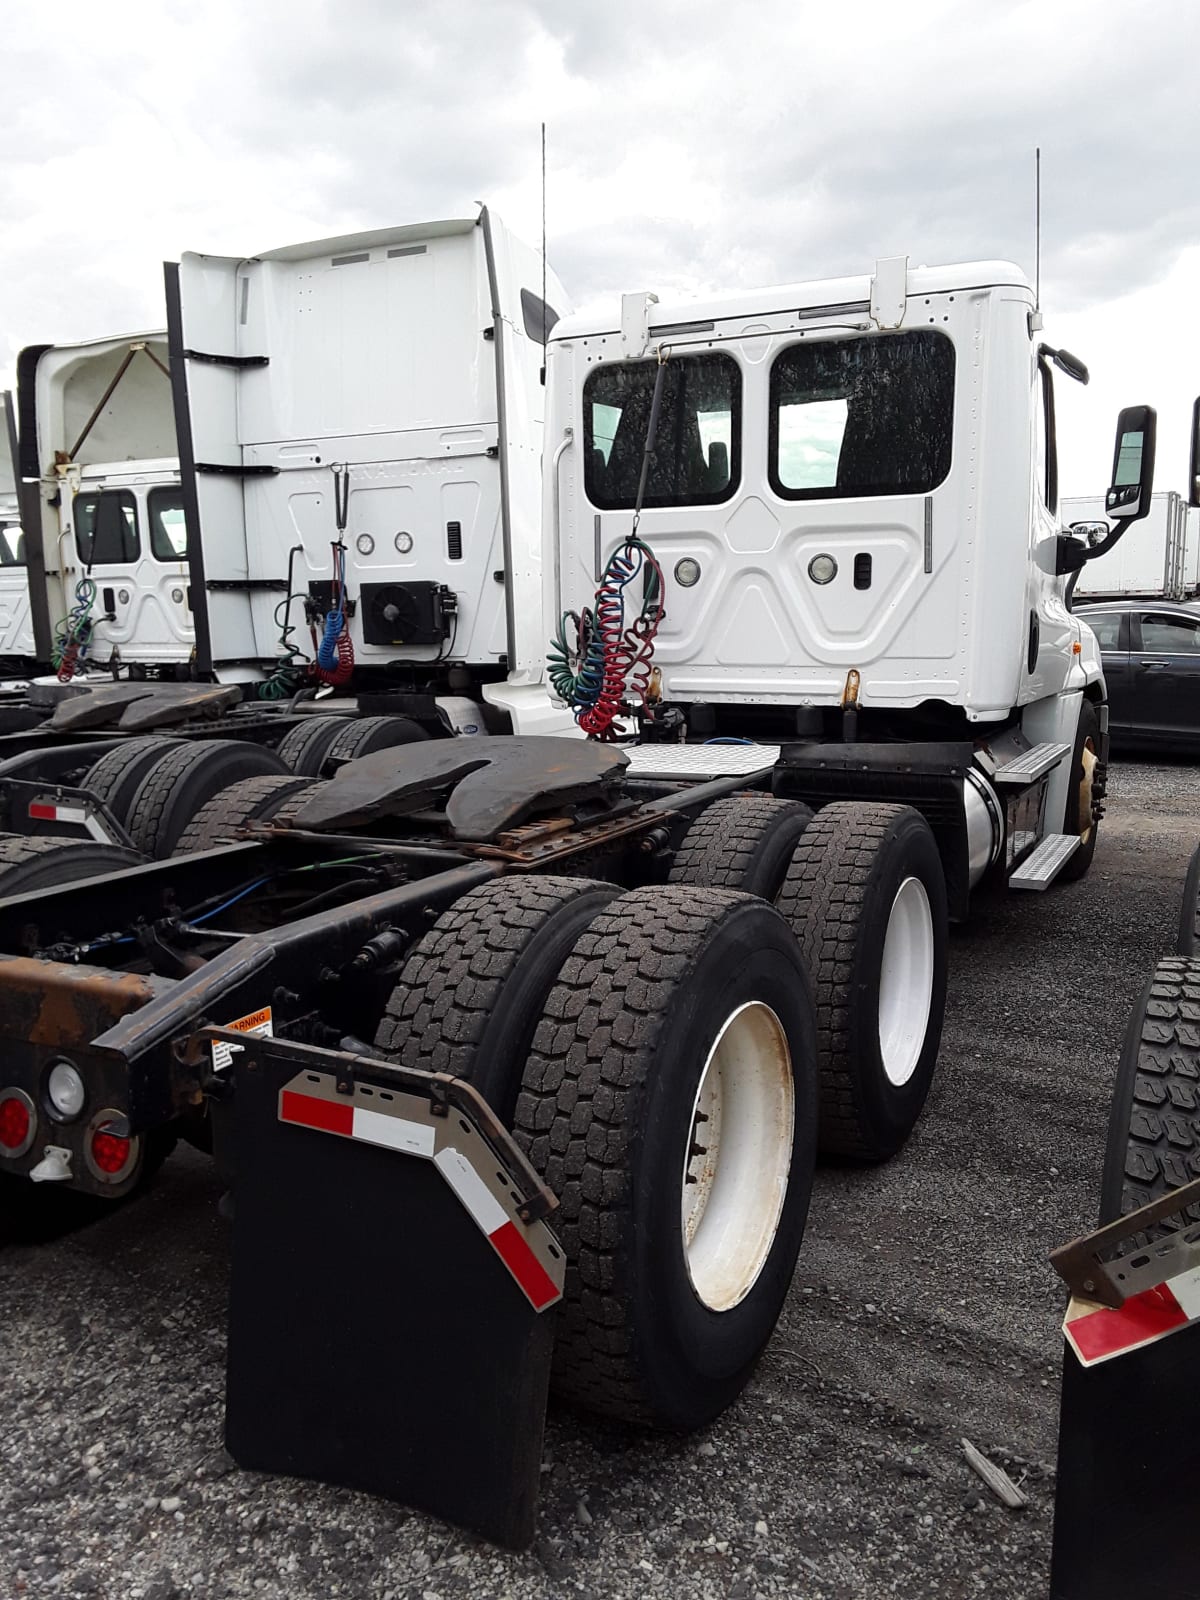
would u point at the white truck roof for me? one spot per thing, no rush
(831, 293)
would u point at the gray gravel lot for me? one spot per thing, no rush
(922, 1310)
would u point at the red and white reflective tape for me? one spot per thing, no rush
(49, 811)
(353, 1121)
(1098, 1333)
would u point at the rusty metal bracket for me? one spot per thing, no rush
(1090, 1269)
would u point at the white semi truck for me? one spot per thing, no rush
(16, 629)
(1160, 559)
(104, 535)
(360, 424)
(512, 1022)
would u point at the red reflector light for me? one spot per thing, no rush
(14, 1123)
(109, 1151)
(38, 809)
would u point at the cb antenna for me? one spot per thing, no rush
(1037, 247)
(545, 318)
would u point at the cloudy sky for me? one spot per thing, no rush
(692, 147)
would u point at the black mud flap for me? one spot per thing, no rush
(1128, 1487)
(391, 1321)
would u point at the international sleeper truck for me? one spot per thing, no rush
(539, 1036)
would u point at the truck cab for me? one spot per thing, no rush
(851, 491)
(103, 526)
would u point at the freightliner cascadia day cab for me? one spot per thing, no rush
(360, 426)
(104, 536)
(853, 496)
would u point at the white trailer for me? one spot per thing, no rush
(104, 533)
(360, 427)
(1160, 557)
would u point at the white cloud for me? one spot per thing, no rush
(692, 147)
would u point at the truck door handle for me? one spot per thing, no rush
(1157, 665)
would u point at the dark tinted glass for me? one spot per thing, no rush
(869, 416)
(697, 446)
(106, 530)
(1171, 635)
(1107, 628)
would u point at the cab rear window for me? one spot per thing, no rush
(106, 527)
(857, 417)
(697, 445)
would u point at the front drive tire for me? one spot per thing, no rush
(670, 1102)
(744, 841)
(866, 896)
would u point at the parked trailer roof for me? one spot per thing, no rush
(371, 239)
(833, 294)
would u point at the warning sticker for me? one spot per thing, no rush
(257, 1024)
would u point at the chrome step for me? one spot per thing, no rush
(1032, 764)
(698, 760)
(1040, 868)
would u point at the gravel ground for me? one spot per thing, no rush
(922, 1310)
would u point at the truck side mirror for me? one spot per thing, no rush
(1194, 457)
(1128, 499)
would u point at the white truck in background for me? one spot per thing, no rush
(104, 532)
(1159, 558)
(16, 628)
(360, 431)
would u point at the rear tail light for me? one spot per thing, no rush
(18, 1123)
(109, 1148)
(110, 1152)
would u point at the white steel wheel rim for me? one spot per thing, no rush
(1088, 760)
(905, 982)
(739, 1156)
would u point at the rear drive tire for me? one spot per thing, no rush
(473, 988)
(177, 787)
(742, 842)
(1153, 1141)
(29, 863)
(251, 800)
(117, 776)
(669, 1102)
(304, 747)
(362, 736)
(1188, 943)
(1080, 817)
(866, 896)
